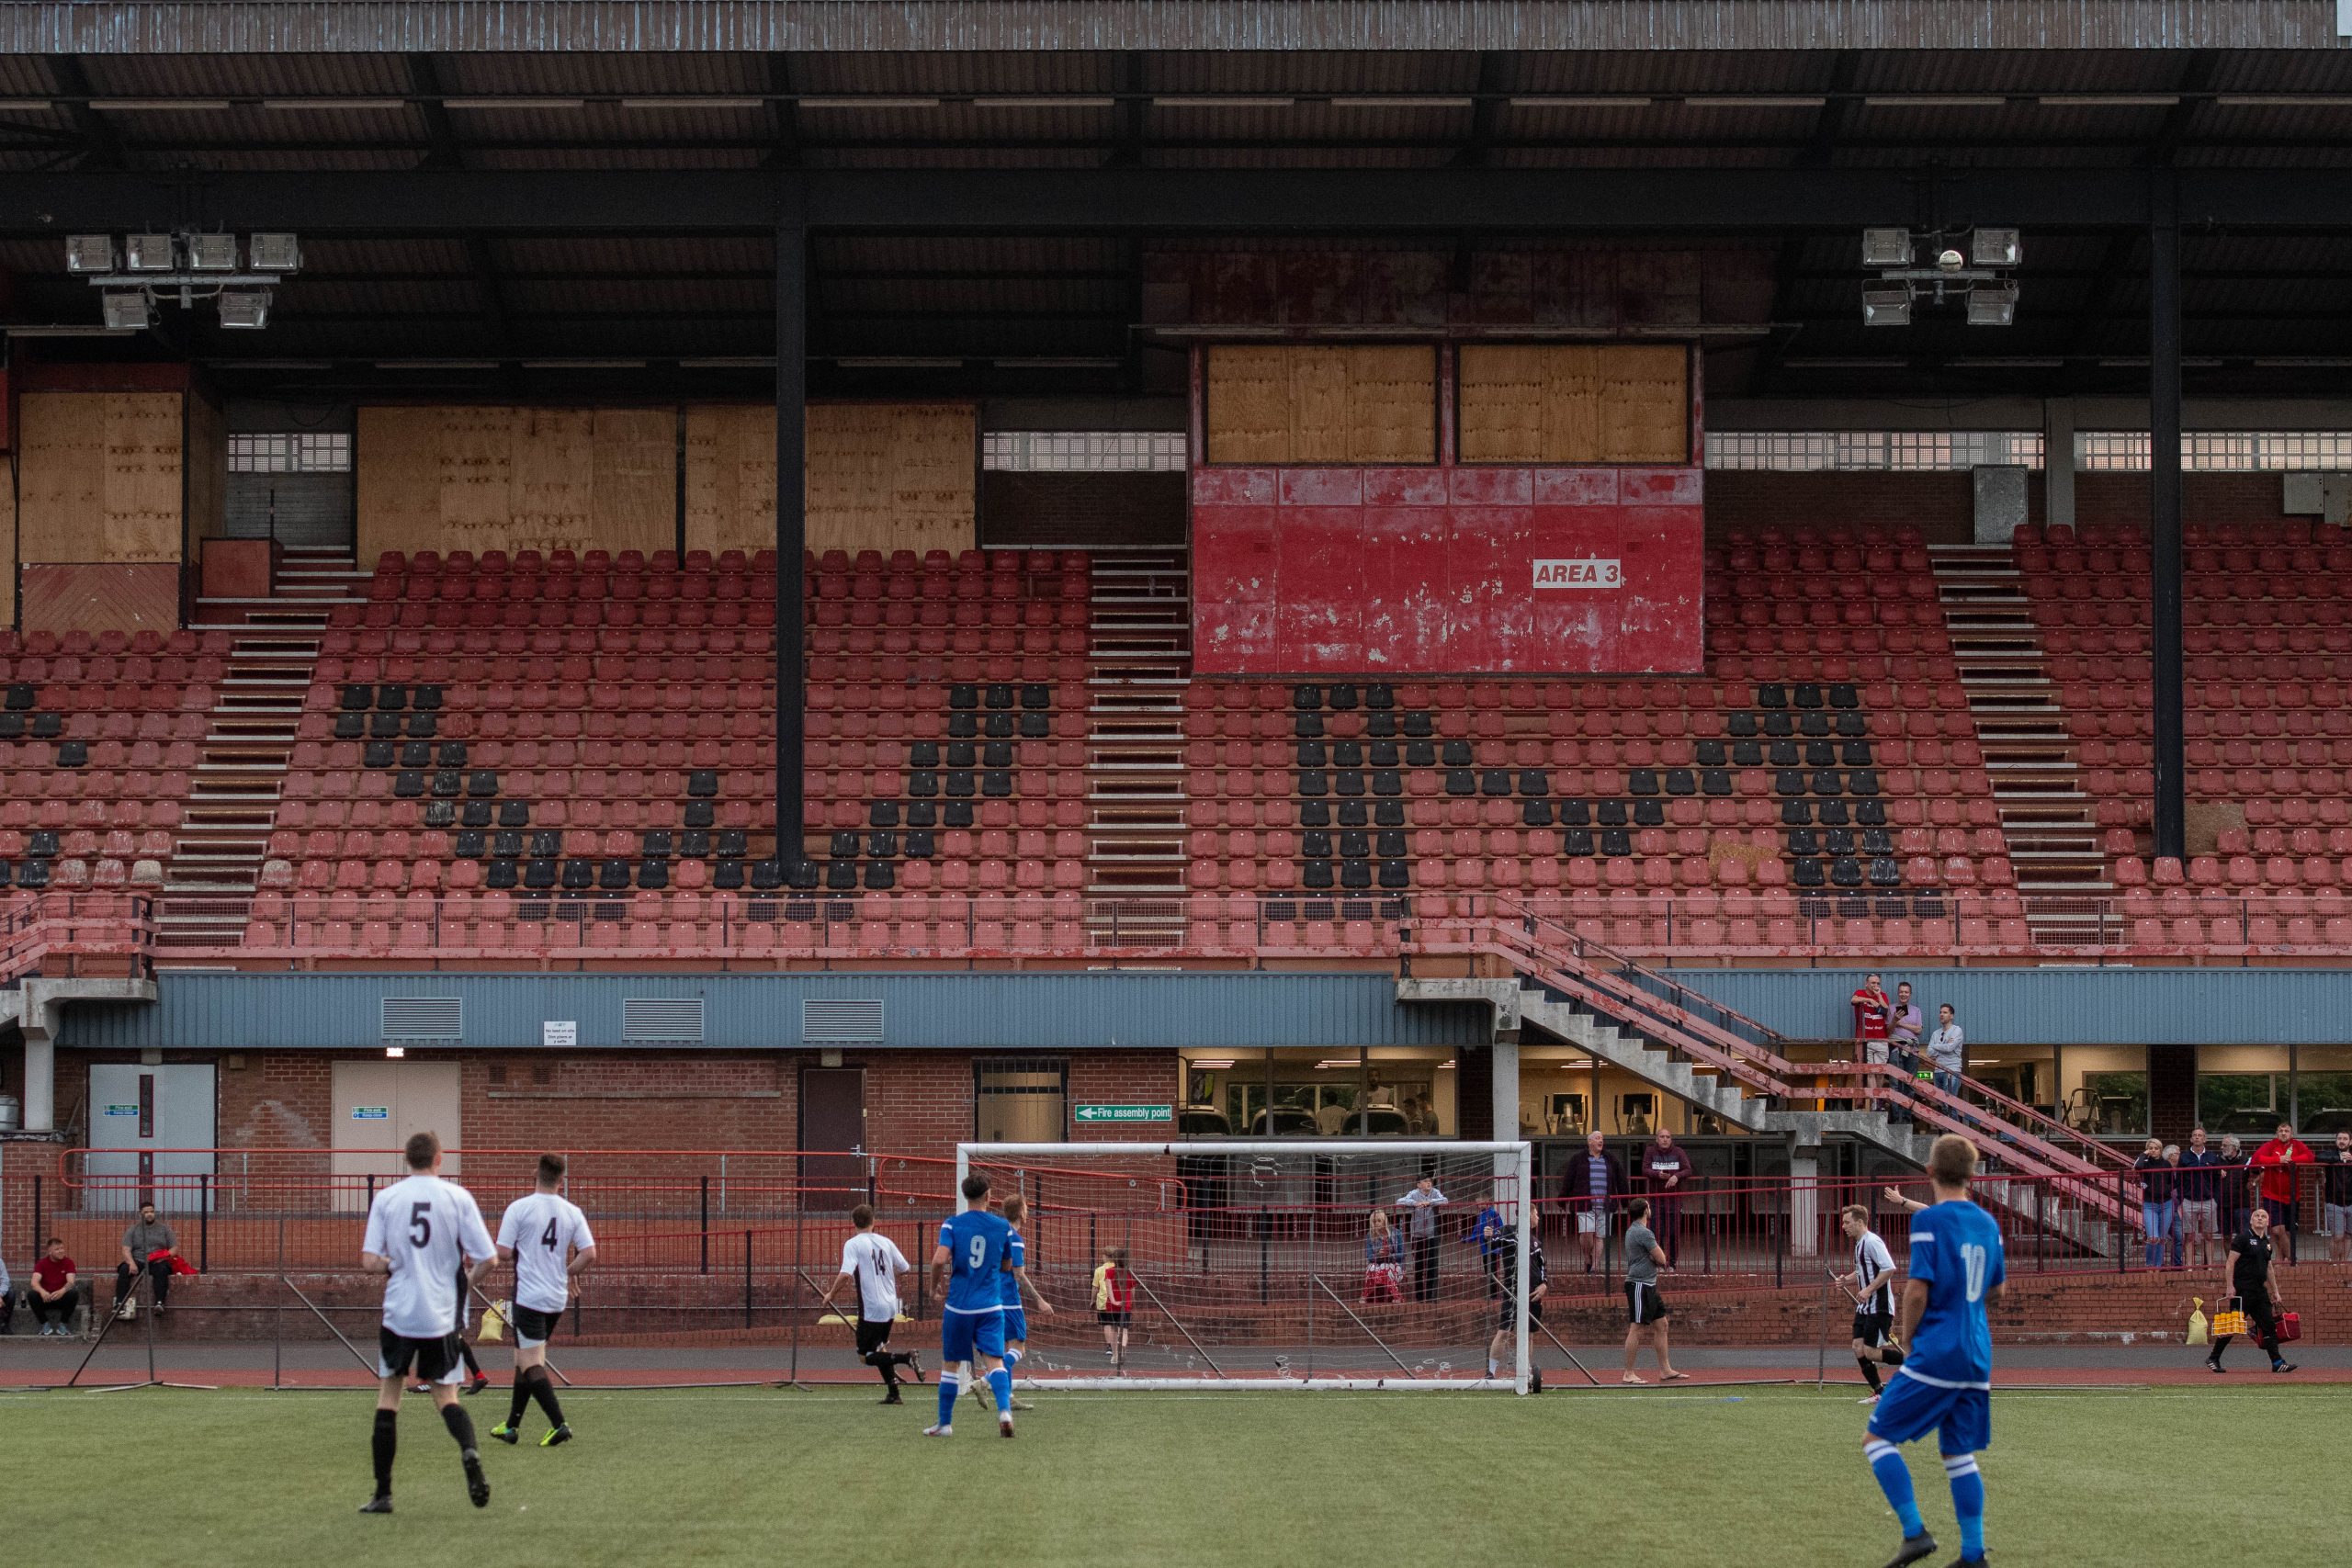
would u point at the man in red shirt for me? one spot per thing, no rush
(52, 1292)
(1871, 1009)
(2280, 1182)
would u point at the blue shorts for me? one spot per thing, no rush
(1910, 1409)
(962, 1333)
(1016, 1327)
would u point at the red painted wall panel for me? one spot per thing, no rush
(1317, 571)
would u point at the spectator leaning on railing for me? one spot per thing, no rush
(2234, 1168)
(2200, 1185)
(2156, 1199)
(2335, 1197)
(1593, 1183)
(1948, 1050)
(2282, 1183)
(1903, 1023)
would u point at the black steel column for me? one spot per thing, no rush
(791, 510)
(2164, 507)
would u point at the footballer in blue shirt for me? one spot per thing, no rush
(1945, 1382)
(969, 1265)
(1016, 1281)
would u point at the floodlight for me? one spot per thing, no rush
(89, 253)
(246, 308)
(1950, 261)
(153, 253)
(126, 310)
(1886, 247)
(1993, 305)
(1994, 247)
(212, 252)
(1886, 307)
(275, 253)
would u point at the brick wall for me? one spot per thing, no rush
(2172, 1092)
(1081, 509)
(2204, 498)
(1941, 506)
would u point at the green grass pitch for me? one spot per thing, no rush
(1756, 1476)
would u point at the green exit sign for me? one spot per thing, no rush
(1125, 1113)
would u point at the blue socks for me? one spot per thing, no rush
(1001, 1383)
(1894, 1480)
(947, 1387)
(1968, 1502)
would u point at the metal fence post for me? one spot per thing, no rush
(747, 1278)
(706, 1221)
(204, 1223)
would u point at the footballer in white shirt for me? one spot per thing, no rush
(547, 1238)
(875, 1261)
(424, 1235)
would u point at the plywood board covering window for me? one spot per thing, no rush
(880, 476)
(1570, 404)
(99, 477)
(511, 478)
(1304, 404)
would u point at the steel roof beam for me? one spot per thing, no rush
(1208, 201)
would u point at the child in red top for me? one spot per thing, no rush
(1115, 1302)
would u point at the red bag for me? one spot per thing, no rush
(2291, 1326)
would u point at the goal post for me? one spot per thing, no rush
(1316, 1263)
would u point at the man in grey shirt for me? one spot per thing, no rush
(1420, 1231)
(1948, 1050)
(141, 1242)
(1645, 1308)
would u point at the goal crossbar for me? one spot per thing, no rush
(1511, 1170)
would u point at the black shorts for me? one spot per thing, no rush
(872, 1336)
(534, 1327)
(1643, 1304)
(1119, 1319)
(1874, 1327)
(1506, 1319)
(435, 1360)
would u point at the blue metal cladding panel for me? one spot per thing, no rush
(2068, 1006)
(251, 1013)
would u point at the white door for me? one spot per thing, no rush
(151, 1137)
(378, 1106)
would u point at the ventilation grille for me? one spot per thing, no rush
(846, 1018)
(661, 1017)
(423, 1018)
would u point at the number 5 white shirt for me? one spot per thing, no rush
(539, 1229)
(425, 1228)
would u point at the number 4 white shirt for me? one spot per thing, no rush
(543, 1230)
(425, 1228)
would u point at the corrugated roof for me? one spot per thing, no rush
(63, 27)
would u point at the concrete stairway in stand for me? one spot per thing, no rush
(1139, 659)
(2048, 820)
(241, 771)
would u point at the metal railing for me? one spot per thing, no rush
(701, 1218)
(303, 927)
(63, 934)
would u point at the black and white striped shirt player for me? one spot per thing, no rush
(1873, 1283)
(423, 1235)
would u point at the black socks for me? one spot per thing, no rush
(387, 1440)
(460, 1424)
(522, 1400)
(543, 1390)
(472, 1366)
(1870, 1372)
(886, 1363)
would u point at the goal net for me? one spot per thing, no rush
(1289, 1263)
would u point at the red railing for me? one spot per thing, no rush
(691, 1213)
(299, 928)
(59, 935)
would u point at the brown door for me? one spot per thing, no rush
(833, 1121)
